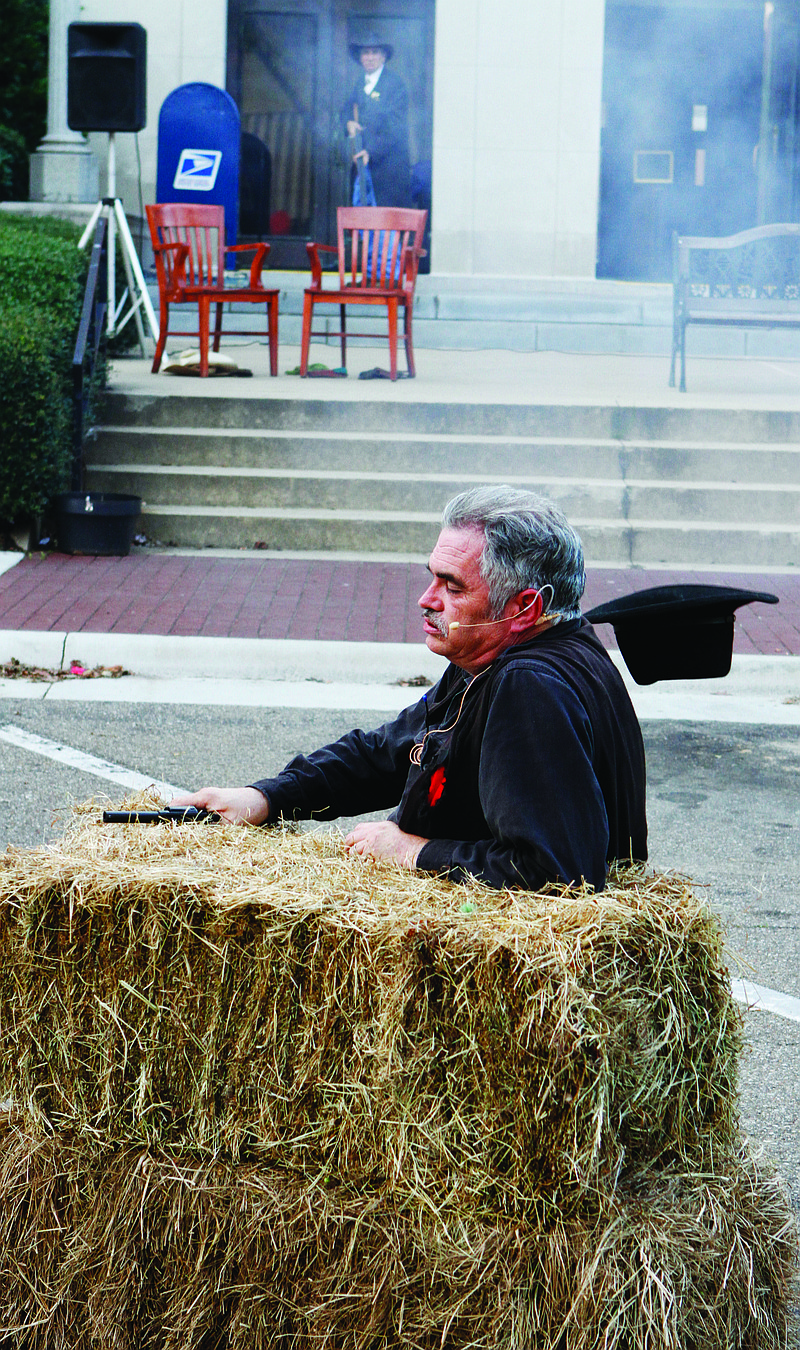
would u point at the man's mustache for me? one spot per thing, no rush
(436, 621)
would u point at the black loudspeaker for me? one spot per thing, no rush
(106, 76)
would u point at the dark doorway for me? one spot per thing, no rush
(289, 72)
(682, 85)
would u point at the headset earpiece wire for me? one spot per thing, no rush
(490, 623)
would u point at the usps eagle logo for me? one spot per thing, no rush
(197, 170)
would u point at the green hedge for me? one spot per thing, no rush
(35, 413)
(42, 279)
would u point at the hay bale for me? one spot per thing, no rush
(117, 1249)
(269, 1095)
(261, 994)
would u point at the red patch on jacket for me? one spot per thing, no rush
(436, 785)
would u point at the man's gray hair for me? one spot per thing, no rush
(528, 543)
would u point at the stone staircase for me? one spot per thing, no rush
(644, 486)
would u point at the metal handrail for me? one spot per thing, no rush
(91, 332)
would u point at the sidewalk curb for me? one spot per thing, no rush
(226, 658)
(9, 560)
(248, 671)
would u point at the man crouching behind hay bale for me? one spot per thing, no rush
(269, 1095)
(525, 765)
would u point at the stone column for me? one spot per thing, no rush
(516, 137)
(63, 168)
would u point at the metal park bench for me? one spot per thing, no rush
(747, 280)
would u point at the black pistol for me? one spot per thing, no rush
(181, 815)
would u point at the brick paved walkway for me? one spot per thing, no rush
(209, 596)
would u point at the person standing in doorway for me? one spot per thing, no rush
(375, 116)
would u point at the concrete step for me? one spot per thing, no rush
(523, 314)
(337, 491)
(555, 421)
(299, 529)
(623, 543)
(689, 544)
(508, 455)
(215, 485)
(643, 485)
(347, 450)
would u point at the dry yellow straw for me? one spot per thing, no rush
(267, 1093)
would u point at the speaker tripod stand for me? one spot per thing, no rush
(136, 290)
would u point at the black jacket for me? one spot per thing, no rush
(384, 116)
(531, 772)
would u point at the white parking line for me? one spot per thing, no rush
(79, 759)
(759, 999)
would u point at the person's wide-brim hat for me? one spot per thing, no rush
(682, 632)
(371, 40)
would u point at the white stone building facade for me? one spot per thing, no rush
(533, 169)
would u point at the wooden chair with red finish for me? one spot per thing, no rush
(378, 248)
(189, 246)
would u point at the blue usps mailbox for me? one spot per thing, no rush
(199, 134)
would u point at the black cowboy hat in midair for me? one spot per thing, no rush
(678, 632)
(371, 40)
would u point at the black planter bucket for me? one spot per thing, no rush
(101, 523)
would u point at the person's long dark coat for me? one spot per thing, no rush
(384, 116)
